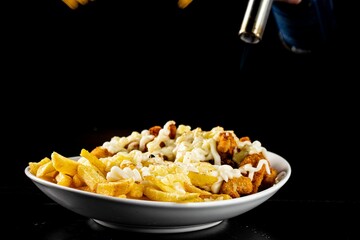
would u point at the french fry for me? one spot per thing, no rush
(46, 169)
(64, 164)
(183, 3)
(34, 166)
(63, 179)
(90, 176)
(216, 197)
(73, 4)
(202, 180)
(157, 182)
(191, 200)
(93, 160)
(191, 188)
(82, 2)
(77, 181)
(85, 188)
(158, 195)
(137, 191)
(118, 188)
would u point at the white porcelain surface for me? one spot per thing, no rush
(157, 217)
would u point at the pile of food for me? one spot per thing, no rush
(172, 163)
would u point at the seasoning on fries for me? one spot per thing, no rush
(166, 163)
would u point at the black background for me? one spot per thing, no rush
(75, 78)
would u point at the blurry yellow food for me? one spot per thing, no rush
(73, 4)
(34, 166)
(184, 3)
(82, 2)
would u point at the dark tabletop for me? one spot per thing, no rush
(29, 213)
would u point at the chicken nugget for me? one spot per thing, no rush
(237, 187)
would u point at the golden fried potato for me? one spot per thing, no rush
(34, 166)
(63, 179)
(77, 181)
(154, 181)
(73, 4)
(117, 188)
(158, 195)
(90, 176)
(137, 191)
(216, 197)
(183, 3)
(94, 160)
(192, 188)
(46, 169)
(64, 164)
(202, 180)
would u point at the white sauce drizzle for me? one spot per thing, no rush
(184, 153)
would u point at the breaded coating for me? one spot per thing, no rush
(254, 159)
(237, 187)
(269, 179)
(156, 129)
(226, 146)
(101, 152)
(172, 129)
(244, 139)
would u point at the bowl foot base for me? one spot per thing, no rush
(157, 229)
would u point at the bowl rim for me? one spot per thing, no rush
(244, 199)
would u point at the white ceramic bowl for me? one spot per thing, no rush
(158, 217)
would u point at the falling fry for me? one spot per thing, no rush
(183, 3)
(73, 4)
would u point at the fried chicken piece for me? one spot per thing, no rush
(269, 179)
(101, 152)
(172, 128)
(254, 159)
(237, 187)
(226, 146)
(244, 139)
(156, 129)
